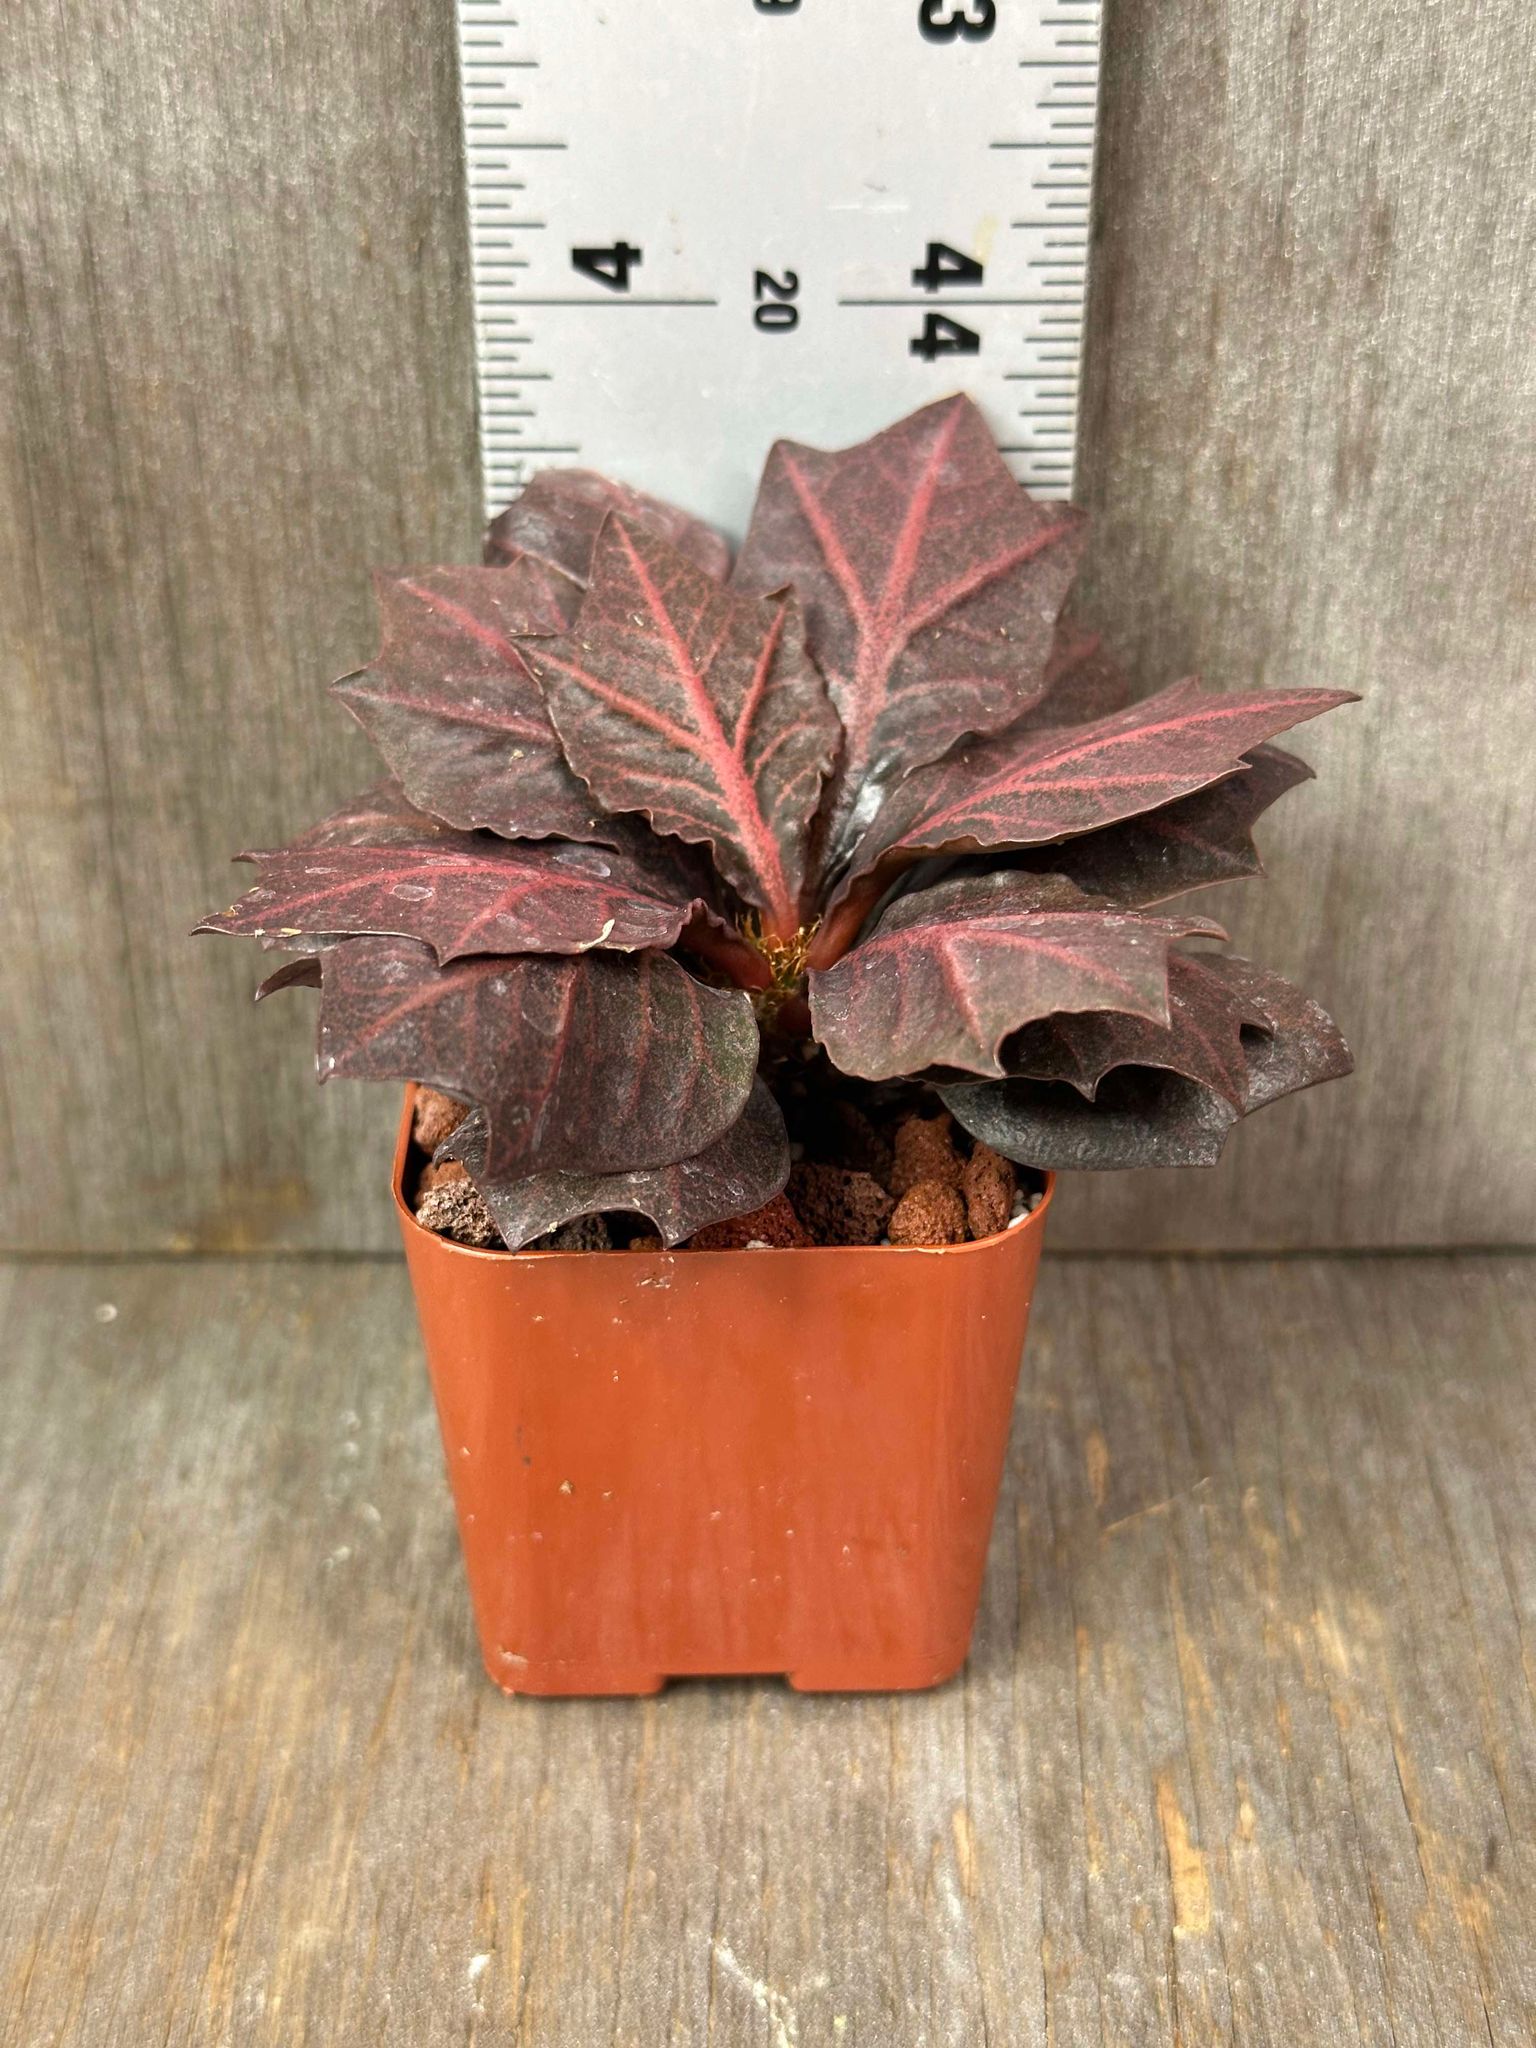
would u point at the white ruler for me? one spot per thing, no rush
(701, 224)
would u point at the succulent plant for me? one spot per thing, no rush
(658, 826)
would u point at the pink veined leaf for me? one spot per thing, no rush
(1005, 792)
(453, 709)
(602, 1063)
(558, 514)
(1190, 844)
(950, 972)
(1152, 1116)
(740, 1171)
(460, 893)
(698, 706)
(931, 583)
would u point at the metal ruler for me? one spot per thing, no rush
(698, 225)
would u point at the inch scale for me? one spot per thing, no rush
(696, 228)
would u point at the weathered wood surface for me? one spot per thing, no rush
(1309, 439)
(1246, 1752)
(235, 371)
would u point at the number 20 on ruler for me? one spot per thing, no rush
(774, 310)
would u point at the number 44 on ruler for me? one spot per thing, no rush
(695, 230)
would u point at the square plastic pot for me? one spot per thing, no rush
(705, 1463)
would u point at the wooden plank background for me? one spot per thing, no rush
(1245, 1752)
(236, 367)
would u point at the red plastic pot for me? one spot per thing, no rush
(700, 1463)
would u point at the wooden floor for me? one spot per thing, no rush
(1246, 1751)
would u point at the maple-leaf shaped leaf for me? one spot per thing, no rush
(460, 893)
(1189, 844)
(1142, 1116)
(557, 516)
(931, 583)
(950, 972)
(698, 706)
(450, 703)
(532, 1040)
(740, 1171)
(1012, 792)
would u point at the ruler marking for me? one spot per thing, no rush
(561, 154)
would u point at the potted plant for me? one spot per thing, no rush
(757, 938)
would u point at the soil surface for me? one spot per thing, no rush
(893, 1168)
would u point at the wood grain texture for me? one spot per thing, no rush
(235, 370)
(1309, 441)
(1246, 1752)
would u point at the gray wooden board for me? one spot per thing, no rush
(235, 371)
(1309, 442)
(1246, 1751)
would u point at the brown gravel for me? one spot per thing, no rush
(774, 1224)
(647, 1241)
(434, 1176)
(988, 1183)
(581, 1234)
(437, 1117)
(455, 1210)
(839, 1206)
(925, 1150)
(933, 1212)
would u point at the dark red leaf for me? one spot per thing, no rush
(303, 973)
(1202, 1039)
(1297, 1042)
(381, 816)
(1145, 1116)
(599, 1064)
(452, 707)
(1004, 793)
(931, 583)
(557, 517)
(698, 706)
(950, 972)
(1201, 839)
(1083, 681)
(459, 893)
(740, 1171)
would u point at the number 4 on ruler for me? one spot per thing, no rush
(609, 266)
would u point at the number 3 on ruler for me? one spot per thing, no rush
(942, 23)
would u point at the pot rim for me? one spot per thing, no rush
(1032, 1220)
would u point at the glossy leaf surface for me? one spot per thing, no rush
(1003, 793)
(598, 1064)
(697, 706)
(452, 707)
(950, 972)
(931, 583)
(740, 1171)
(556, 519)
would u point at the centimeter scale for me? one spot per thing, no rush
(697, 227)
